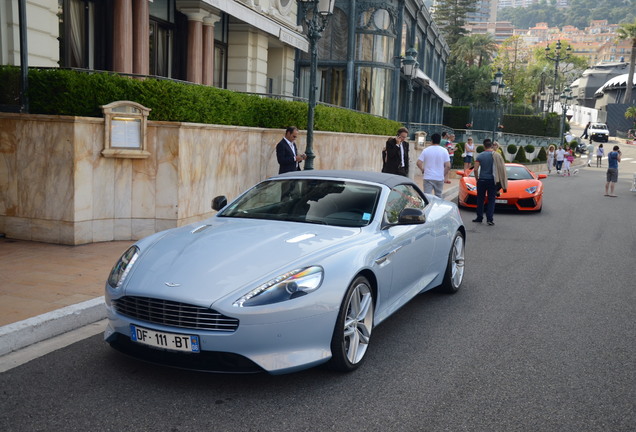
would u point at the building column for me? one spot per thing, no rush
(195, 43)
(122, 36)
(141, 37)
(208, 48)
(247, 59)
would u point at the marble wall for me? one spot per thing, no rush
(56, 187)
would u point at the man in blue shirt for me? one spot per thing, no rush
(613, 158)
(485, 178)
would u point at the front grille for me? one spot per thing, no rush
(174, 314)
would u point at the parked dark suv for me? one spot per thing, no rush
(598, 132)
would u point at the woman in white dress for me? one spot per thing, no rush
(551, 153)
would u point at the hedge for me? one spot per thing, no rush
(74, 93)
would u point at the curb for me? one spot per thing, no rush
(33, 330)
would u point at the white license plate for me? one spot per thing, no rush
(500, 201)
(171, 341)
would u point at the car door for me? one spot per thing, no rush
(408, 248)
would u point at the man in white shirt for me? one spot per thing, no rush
(434, 162)
(560, 157)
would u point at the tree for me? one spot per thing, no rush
(628, 31)
(468, 84)
(631, 113)
(476, 49)
(450, 16)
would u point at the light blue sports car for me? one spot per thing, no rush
(295, 272)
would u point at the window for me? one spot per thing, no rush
(400, 198)
(374, 90)
(333, 43)
(82, 34)
(220, 52)
(160, 48)
(374, 48)
(331, 83)
(161, 34)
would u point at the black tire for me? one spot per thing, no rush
(454, 275)
(352, 333)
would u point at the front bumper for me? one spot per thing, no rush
(530, 203)
(599, 137)
(281, 347)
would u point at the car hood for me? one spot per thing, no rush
(202, 263)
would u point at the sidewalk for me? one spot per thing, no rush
(48, 289)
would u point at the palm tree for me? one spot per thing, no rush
(628, 31)
(476, 49)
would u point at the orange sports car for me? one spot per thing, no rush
(525, 190)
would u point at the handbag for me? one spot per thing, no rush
(464, 154)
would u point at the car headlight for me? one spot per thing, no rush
(122, 268)
(287, 286)
(531, 189)
(471, 187)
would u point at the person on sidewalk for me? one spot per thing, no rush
(488, 165)
(287, 152)
(469, 151)
(551, 155)
(590, 153)
(434, 162)
(567, 161)
(613, 158)
(560, 157)
(600, 152)
(396, 154)
(584, 134)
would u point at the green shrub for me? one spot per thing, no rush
(512, 149)
(521, 157)
(479, 148)
(543, 155)
(529, 148)
(74, 93)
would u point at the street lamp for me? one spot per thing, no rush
(496, 88)
(565, 97)
(410, 66)
(315, 14)
(558, 57)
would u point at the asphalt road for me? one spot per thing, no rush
(541, 337)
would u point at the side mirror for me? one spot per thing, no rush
(410, 216)
(542, 176)
(461, 173)
(219, 202)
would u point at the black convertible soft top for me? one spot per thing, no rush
(390, 180)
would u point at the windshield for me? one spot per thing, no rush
(328, 202)
(600, 126)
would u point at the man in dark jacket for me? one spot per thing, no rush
(396, 154)
(287, 153)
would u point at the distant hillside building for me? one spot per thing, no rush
(501, 30)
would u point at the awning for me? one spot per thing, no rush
(262, 22)
(423, 79)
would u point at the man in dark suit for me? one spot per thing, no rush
(396, 154)
(287, 153)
